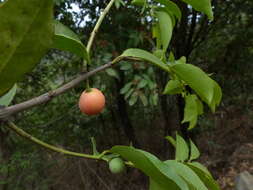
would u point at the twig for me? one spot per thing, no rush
(22, 133)
(5, 112)
(100, 20)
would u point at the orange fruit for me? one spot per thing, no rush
(92, 102)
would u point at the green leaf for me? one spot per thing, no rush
(138, 2)
(208, 90)
(191, 110)
(187, 174)
(128, 94)
(142, 55)
(202, 6)
(66, 40)
(166, 28)
(143, 99)
(113, 73)
(26, 35)
(6, 99)
(182, 150)
(157, 34)
(173, 87)
(125, 66)
(172, 7)
(171, 140)
(154, 186)
(204, 175)
(126, 88)
(133, 99)
(142, 84)
(158, 171)
(194, 151)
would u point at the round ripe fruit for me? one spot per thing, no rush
(92, 102)
(116, 165)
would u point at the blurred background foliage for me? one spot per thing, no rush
(136, 111)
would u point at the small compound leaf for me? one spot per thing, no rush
(133, 98)
(142, 55)
(113, 73)
(173, 87)
(187, 174)
(142, 84)
(182, 150)
(149, 164)
(6, 99)
(202, 6)
(166, 28)
(204, 175)
(143, 99)
(194, 151)
(128, 94)
(171, 140)
(26, 35)
(126, 88)
(66, 40)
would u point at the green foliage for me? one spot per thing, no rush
(26, 35)
(66, 40)
(8, 97)
(203, 6)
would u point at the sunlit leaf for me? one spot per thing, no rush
(173, 87)
(172, 7)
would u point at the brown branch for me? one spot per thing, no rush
(7, 111)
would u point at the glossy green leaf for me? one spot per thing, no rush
(157, 35)
(6, 99)
(194, 151)
(173, 87)
(187, 174)
(162, 174)
(113, 73)
(204, 175)
(172, 7)
(202, 6)
(166, 28)
(208, 90)
(191, 110)
(142, 55)
(171, 140)
(154, 186)
(26, 34)
(182, 150)
(66, 40)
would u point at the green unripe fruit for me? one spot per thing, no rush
(117, 165)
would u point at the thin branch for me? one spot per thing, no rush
(24, 134)
(6, 112)
(100, 20)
